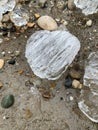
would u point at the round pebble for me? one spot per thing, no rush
(71, 4)
(12, 61)
(42, 3)
(1, 85)
(68, 82)
(89, 23)
(47, 23)
(1, 40)
(75, 74)
(1, 63)
(7, 101)
(75, 84)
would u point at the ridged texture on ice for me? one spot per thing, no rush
(50, 53)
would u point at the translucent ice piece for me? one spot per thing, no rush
(50, 53)
(88, 103)
(87, 6)
(19, 16)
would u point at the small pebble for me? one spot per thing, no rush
(46, 95)
(1, 84)
(30, 25)
(12, 61)
(7, 101)
(37, 15)
(75, 74)
(42, 3)
(28, 113)
(89, 23)
(80, 86)
(1, 63)
(75, 84)
(61, 5)
(71, 4)
(61, 98)
(47, 23)
(17, 53)
(68, 82)
(71, 98)
(96, 45)
(1, 40)
(3, 53)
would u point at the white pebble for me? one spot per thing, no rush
(89, 23)
(1, 40)
(71, 98)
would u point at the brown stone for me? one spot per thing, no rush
(75, 74)
(1, 63)
(1, 85)
(71, 4)
(30, 25)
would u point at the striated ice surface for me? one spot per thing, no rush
(88, 103)
(87, 6)
(50, 53)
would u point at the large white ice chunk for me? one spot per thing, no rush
(87, 6)
(50, 53)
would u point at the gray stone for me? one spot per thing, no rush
(50, 53)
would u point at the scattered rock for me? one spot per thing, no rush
(1, 63)
(80, 86)
(89, 23)
(37, 15)
(75, 74)
(96, 45)
(1, 40)
(28, 113)
(17, 53)
(30, 25)
(68, 82)
(75, 83)
(42, 3)
(46, 95)
(71, 98)
(3, 53)
(61, 5)
(20, 72)
(1, 84)
(71, 4)
(47, 23)
(7, 101)
(6, 18)
(12, 61)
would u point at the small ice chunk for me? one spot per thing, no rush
(19, 16)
